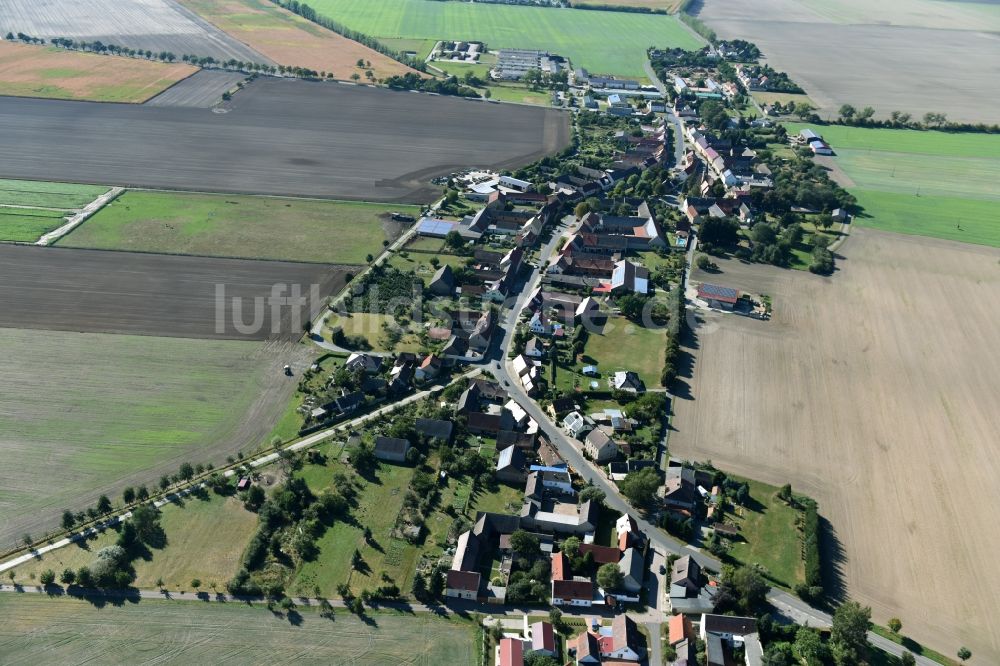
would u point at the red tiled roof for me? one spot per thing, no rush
(542, 637)
(573, 589)
(511, 652)
(463, 580)
(558, 566)
(602, 554)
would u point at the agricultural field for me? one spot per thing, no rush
(667, 5)
(85, 414)
(380, 145)
(47, 71)
(421, 48)
(30, 209)
(927, 183)
(253, 227)
(154, 25)
(874, 392)
(581, 35)
(204, 540)
(887, 54)
(64, 289)
(764, 97)
(289, 39)
(38, 629)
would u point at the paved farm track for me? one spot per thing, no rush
(278, 137)
(152, 25)
(98, 291)
(202, 90)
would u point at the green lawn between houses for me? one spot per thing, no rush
(938, 184)
(621, 345)
(228, 225)
(586, 37)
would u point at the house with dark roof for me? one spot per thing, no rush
(679, 493)
(576, 592)
(522, 440)
(510, 465)
(599, 445)
(626, 380)
(347, 404)
(481, 423)
(443, 282)
(730, 628)
(685, 577)
(625, 641)
(429, 367)
(561, 406)
(364, 362)
(482, 333)
(391, 449)
(435, 429)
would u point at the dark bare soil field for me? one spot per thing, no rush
(277, 137)
(96, 291)
(201, 90)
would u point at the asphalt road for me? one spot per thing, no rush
(276, 136)
(97, 291)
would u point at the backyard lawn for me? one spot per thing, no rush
(621, 345)
(766, 530)
(241, 226)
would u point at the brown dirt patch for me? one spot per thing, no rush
(291, 40)
(874, 391)
(38, 71)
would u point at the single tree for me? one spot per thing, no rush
(196, 583)
(67, 577)
(164, 482)
(964, 653)
(186, 471)
(48, 577)
(128, 495)
(810, 647)
(849, 633)
(640, 487)
(907, 659)
(524, 543)
(68, 519)
(609, 576)
(103, 504)
(895, 624)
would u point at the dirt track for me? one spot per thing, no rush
(96, 291)
(278, 137)
(876, 392)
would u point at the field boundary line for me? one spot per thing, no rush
(82, 216)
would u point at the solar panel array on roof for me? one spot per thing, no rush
(716, 290)
(434, 227)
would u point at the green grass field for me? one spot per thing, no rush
(82, 413)
(422, 47)
(926, 183)
(37, 629)
(620, 346)
(239, 226)
(205, 538)
(587, 37)
(26, 225)
(30, 209)
(379, 503)
(769, 535)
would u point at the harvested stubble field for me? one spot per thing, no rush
(875, 392)
(47, 71)
(154, 25)
(230, 225)
(928, 183)
(909, 55)
(581, 35)
(333, 141)
(84, 414)
(291, 40)
(40, 630)
(97, 291)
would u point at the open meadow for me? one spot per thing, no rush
(41, 630)
(927, 183)
(253, 227)
(204, 540)
(85, 414)
(289, 39)
(916, 56)
(873, 391)
(584, 36)
(47, 71)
